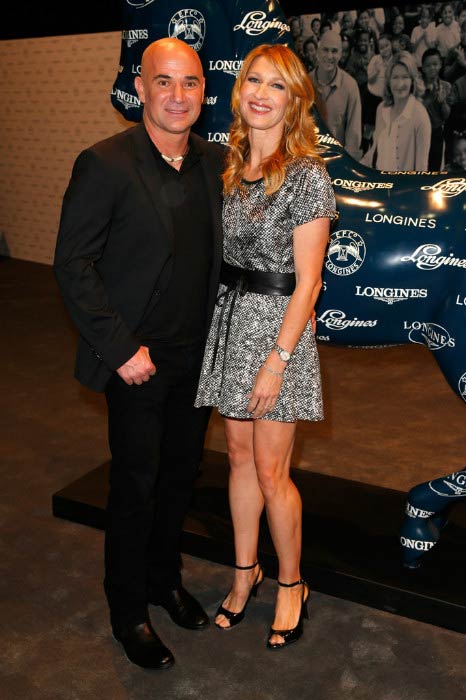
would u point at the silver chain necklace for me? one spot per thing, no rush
(175, 159)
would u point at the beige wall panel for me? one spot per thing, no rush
(55, 102)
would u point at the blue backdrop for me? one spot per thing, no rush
(395, 270)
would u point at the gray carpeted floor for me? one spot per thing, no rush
(55, 640)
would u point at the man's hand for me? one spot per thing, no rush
(137, 369)
(441, 93)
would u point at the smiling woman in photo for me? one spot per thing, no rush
(402, 126)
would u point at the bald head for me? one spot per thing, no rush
(171, 87)
(168, 49)
(330, 38)
(328, 54)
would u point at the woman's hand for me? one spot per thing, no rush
(263, 397)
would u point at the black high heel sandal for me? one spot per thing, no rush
(235, 618)
(292, 635)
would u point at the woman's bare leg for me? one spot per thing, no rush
(246, 505)
(273, 445)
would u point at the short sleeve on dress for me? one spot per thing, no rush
(312, 192)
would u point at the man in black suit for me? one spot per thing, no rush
(137, 261)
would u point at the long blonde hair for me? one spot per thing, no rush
(299, 135)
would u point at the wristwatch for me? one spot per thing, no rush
(284, 355)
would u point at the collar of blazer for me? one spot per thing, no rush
(153, 181)
(150, 177)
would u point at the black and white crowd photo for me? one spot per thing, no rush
(391, 82)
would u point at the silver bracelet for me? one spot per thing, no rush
(272, 371)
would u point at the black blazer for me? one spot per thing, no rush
(114, 240)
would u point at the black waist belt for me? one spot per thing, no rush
(239, 281)
(257, 281)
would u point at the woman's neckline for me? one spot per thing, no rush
(251, 182)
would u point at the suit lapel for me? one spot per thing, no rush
(153, 185)
(151, 178)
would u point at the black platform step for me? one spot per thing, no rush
(350, 540)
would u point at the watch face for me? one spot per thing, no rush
(285, 355)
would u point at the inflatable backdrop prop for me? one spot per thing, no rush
(395, 273)
(221, 31)
(395, 270)
(427, 510)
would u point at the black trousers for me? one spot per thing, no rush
(156, 439)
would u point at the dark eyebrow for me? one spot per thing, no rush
(169, 77)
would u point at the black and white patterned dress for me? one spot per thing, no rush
(258, 235)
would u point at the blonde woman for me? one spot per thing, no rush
(261, 366)
(403, 130)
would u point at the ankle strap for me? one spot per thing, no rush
(244, 568)
(290, 585)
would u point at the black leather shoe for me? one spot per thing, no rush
(184, 609)
(143, 647)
